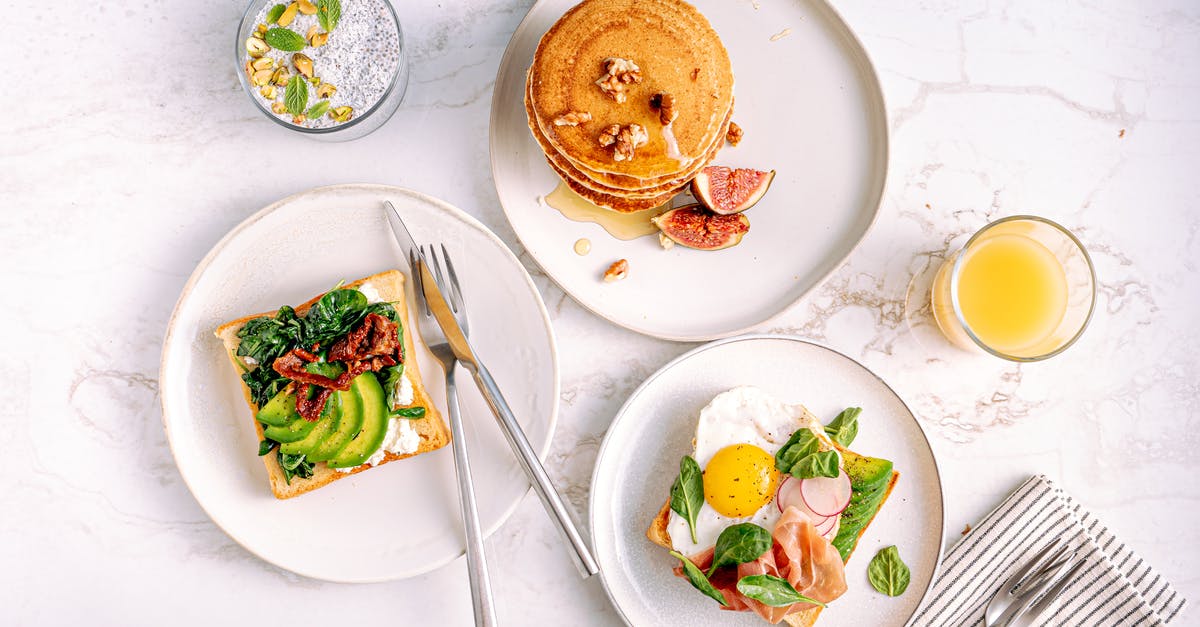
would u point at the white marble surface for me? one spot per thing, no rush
(128, 149)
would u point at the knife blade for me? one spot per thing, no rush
(437, 303)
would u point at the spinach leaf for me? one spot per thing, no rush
(888, 573)
(802, 444)
(844, 428)
(266, 446)
(264, 384)
(771, 590)
(696, 576)
(739, 544)
(687, 493)
(266, 338)
(387, 311)
(409, 412)
(390, 378)
(294, 466)
(823, 464)
(333, 316)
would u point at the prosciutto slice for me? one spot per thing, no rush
(799, 554)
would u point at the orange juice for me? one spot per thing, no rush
(1012, 291)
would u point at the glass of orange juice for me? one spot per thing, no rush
(1022, 288)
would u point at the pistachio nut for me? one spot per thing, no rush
(318, 40)
(249, 67)
(257, 47)
(341, 114)
(306, 7)
(288, 15)
(303, 64)
(279, 107)
(263, 63)
(298, 119)
(326, 90)
(261, 78)
(261, 29)
(316, 81)
(256, 35)
(281, 76)
(269, 92)
(312, 30)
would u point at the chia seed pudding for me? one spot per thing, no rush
(317, 79)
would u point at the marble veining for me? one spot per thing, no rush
(129, 150)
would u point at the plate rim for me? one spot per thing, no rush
(608, 437)
(880, 104)
(380, 188)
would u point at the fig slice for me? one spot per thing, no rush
(727, 191)
(696, 227)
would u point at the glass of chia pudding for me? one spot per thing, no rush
(333, 70)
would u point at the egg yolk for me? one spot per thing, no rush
(739, 480)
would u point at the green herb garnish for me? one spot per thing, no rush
(285, 39)
(844, 428)
(738, 544)
(329, 12)
(696, 576)
(317, 110)
(274, 13)
(773, 591)
(294, 466)
(823, 464)
(888, 573)
(266, 446)
(296, 98)
(410, 412)
(687, 493)
(802, 444)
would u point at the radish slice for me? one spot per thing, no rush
(826, 527)
(826, 496)
(789, 495)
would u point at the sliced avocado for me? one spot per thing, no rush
(349, 424)
(278, 411)
(866, 472)
(293, 431)
(326, 425)
(375, 423)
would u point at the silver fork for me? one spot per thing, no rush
(1029, 592)
(435, 340)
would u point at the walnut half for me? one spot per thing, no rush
(617, 74)
(734, 134)
(573, 118)
(617, 271)
(664, 103)
(624, 140)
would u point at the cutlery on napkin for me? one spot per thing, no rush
(1116, 588)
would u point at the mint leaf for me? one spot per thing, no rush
(296, 98)
(844, 428)
(318, 110)
(284, 39)
(823, 464)
(274, 13)
(773, 591)
(329, 12)
(888, 573)
(697, 578)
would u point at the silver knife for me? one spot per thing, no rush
(491, 393)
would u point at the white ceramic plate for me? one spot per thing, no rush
(640, 458)
(398, 520)
(812, 109)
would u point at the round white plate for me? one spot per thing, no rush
(640, 458)
(398, 520)
(812, 109)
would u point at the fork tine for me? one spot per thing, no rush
(454, 289)
(1043, 604)
(436, 266)
(1032, 591)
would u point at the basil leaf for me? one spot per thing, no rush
(274, 13)
(802, 444)
(295, 98)
(687, 493)
(266, 446)
(823, 464)
(336, 313)
(284, 39)
(844, 428)
(888, 573)
(329, 13)
(410, 412)
(738, 544)
(696, 576)
(773, 591)
(317, 110)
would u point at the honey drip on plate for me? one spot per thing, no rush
(625, 226)
(583, 246)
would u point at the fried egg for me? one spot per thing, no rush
(737, 436)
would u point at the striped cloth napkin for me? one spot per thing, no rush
(1115, 588)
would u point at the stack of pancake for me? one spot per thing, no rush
(677, 53)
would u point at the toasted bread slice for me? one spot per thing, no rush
(432, 429)
(657, 533)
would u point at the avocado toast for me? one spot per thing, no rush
(333, 385)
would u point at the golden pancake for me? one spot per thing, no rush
(677, 52)
(616, 203)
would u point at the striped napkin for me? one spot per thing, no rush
(1115, 588)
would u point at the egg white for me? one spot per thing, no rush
(743, 415)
